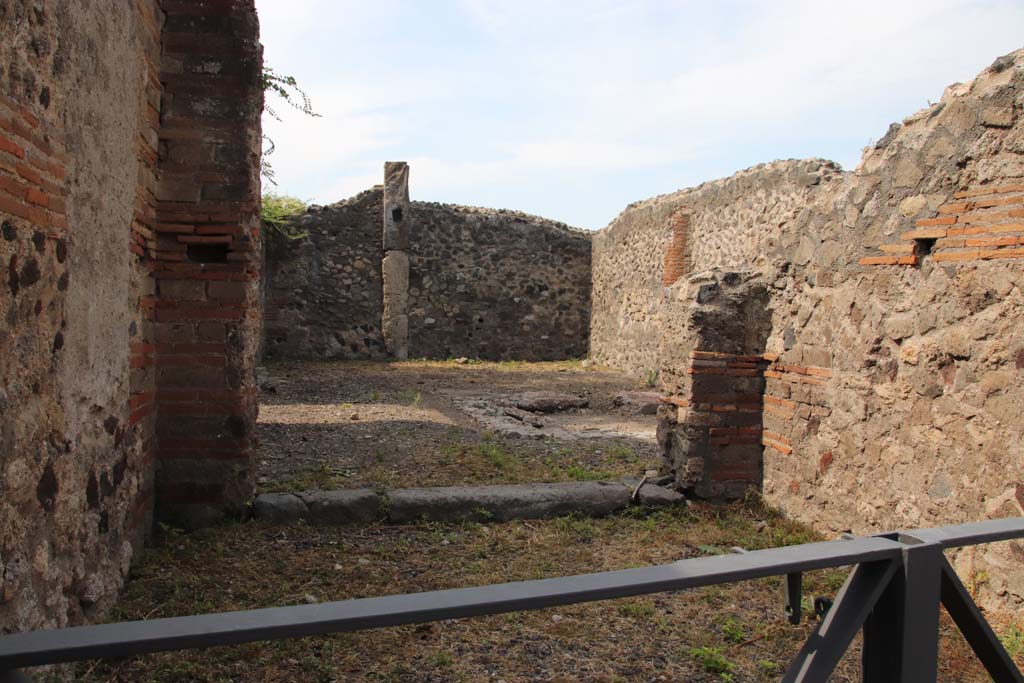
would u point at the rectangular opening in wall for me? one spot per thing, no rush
(396, 214)
(924, 246)
(208, 253)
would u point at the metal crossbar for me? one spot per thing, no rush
(893, 594)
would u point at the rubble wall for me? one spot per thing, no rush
(756, 217)
(496, 285)
(323, 288)
(893, 364)
(76, 152)
(481, 283)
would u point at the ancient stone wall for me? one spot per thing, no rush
(904, 374)
(496, 285)
(461, 281)
(751, 219)
(892, 363)
(75, 484)
(323, 289)
(112, 122)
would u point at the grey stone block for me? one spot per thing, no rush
(279, 508)
(342, 507)
(500, 503)
(658, 496)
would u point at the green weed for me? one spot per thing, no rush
(713, 661)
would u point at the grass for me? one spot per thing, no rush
(578, 473)
(317, 478)
(713, 661)
(410, 397)
(1013, 641)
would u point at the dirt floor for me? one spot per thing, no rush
(423, 423)
(722, 633)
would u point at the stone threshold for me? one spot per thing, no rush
(498, 503)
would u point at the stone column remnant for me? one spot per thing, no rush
(395, 271)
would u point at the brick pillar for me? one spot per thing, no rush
(206, 262)
(675, 255)
(710, 428)
(395, 318)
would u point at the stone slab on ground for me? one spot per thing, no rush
(342, 507)
(548, 401)
(501, 503)
(638, 402)
(279, 508)
(460, 503)
(653, 495)
(319, 507)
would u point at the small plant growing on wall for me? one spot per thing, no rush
(287, 88)
(277, 210)
(276, 213)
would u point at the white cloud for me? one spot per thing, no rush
(495, 99)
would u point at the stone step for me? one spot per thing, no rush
(460, 503)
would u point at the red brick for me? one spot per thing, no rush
(930, 234)
(956, 256)
(13, 186)
(36, 197)
(928, 222)
(879, 261)
(977, 192)
(9, 146)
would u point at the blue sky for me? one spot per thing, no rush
(573, 109)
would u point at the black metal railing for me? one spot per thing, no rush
(893, 594)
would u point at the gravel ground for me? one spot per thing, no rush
(386, 425)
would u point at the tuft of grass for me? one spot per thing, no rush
(640, 609)
(442, 660)
(622, 452)
(769, 670)
(733, 631)
(494, 453)
(713, 661)
(576, 526)
(318, 478)
(583, 474)
(410, 397)
(1013, 641)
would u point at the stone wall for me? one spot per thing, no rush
(106, 111)
(496, 285)
(464, 281)
(753, 218)
(73, 463)
(323, 289)
(886, 379)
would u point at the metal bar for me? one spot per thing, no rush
(977, 632)
(973, 533)
(794, 597)
(882, 653)
(827, 644)
(922, 571)
(228, 628)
